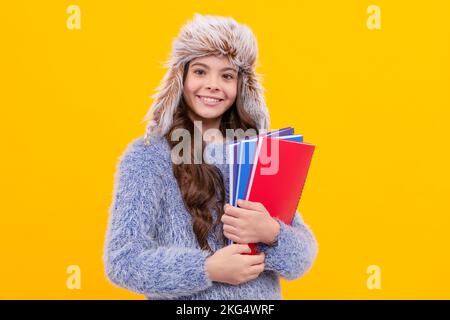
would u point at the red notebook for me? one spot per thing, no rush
(278, 176)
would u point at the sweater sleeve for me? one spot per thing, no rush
(132, 257)
(295, 252)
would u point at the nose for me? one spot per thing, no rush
(212, 84)
(212, 87)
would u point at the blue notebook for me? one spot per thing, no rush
(247, 153)
(240, 155)
(233, 156)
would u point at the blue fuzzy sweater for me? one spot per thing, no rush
(150, 247)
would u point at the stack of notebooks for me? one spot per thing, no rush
(270, 168)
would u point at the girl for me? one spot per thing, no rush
(169, 225)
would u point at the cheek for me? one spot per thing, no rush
(232, 92)
(188, 89)
(191, 85)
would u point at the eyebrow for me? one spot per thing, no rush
(206, 66)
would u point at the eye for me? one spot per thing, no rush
(228, 76)
(198, 70)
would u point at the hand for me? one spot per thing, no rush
(251, 223)
(229, 265)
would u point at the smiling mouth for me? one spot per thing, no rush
(209, 101)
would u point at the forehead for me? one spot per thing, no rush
(213, 62)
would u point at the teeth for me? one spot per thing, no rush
(209, 99)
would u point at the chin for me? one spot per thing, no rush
(209, 115)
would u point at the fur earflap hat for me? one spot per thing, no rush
(208, 35)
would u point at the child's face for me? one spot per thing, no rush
(210, 77)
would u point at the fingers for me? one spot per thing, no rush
(236, 211)
(257, 269)
(230, 229)
(232, 237)
(242, 248)
(250, 205)
(229, 220)
(257, 259)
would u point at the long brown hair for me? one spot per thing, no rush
(202, 185)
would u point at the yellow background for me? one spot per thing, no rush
(374, 102)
